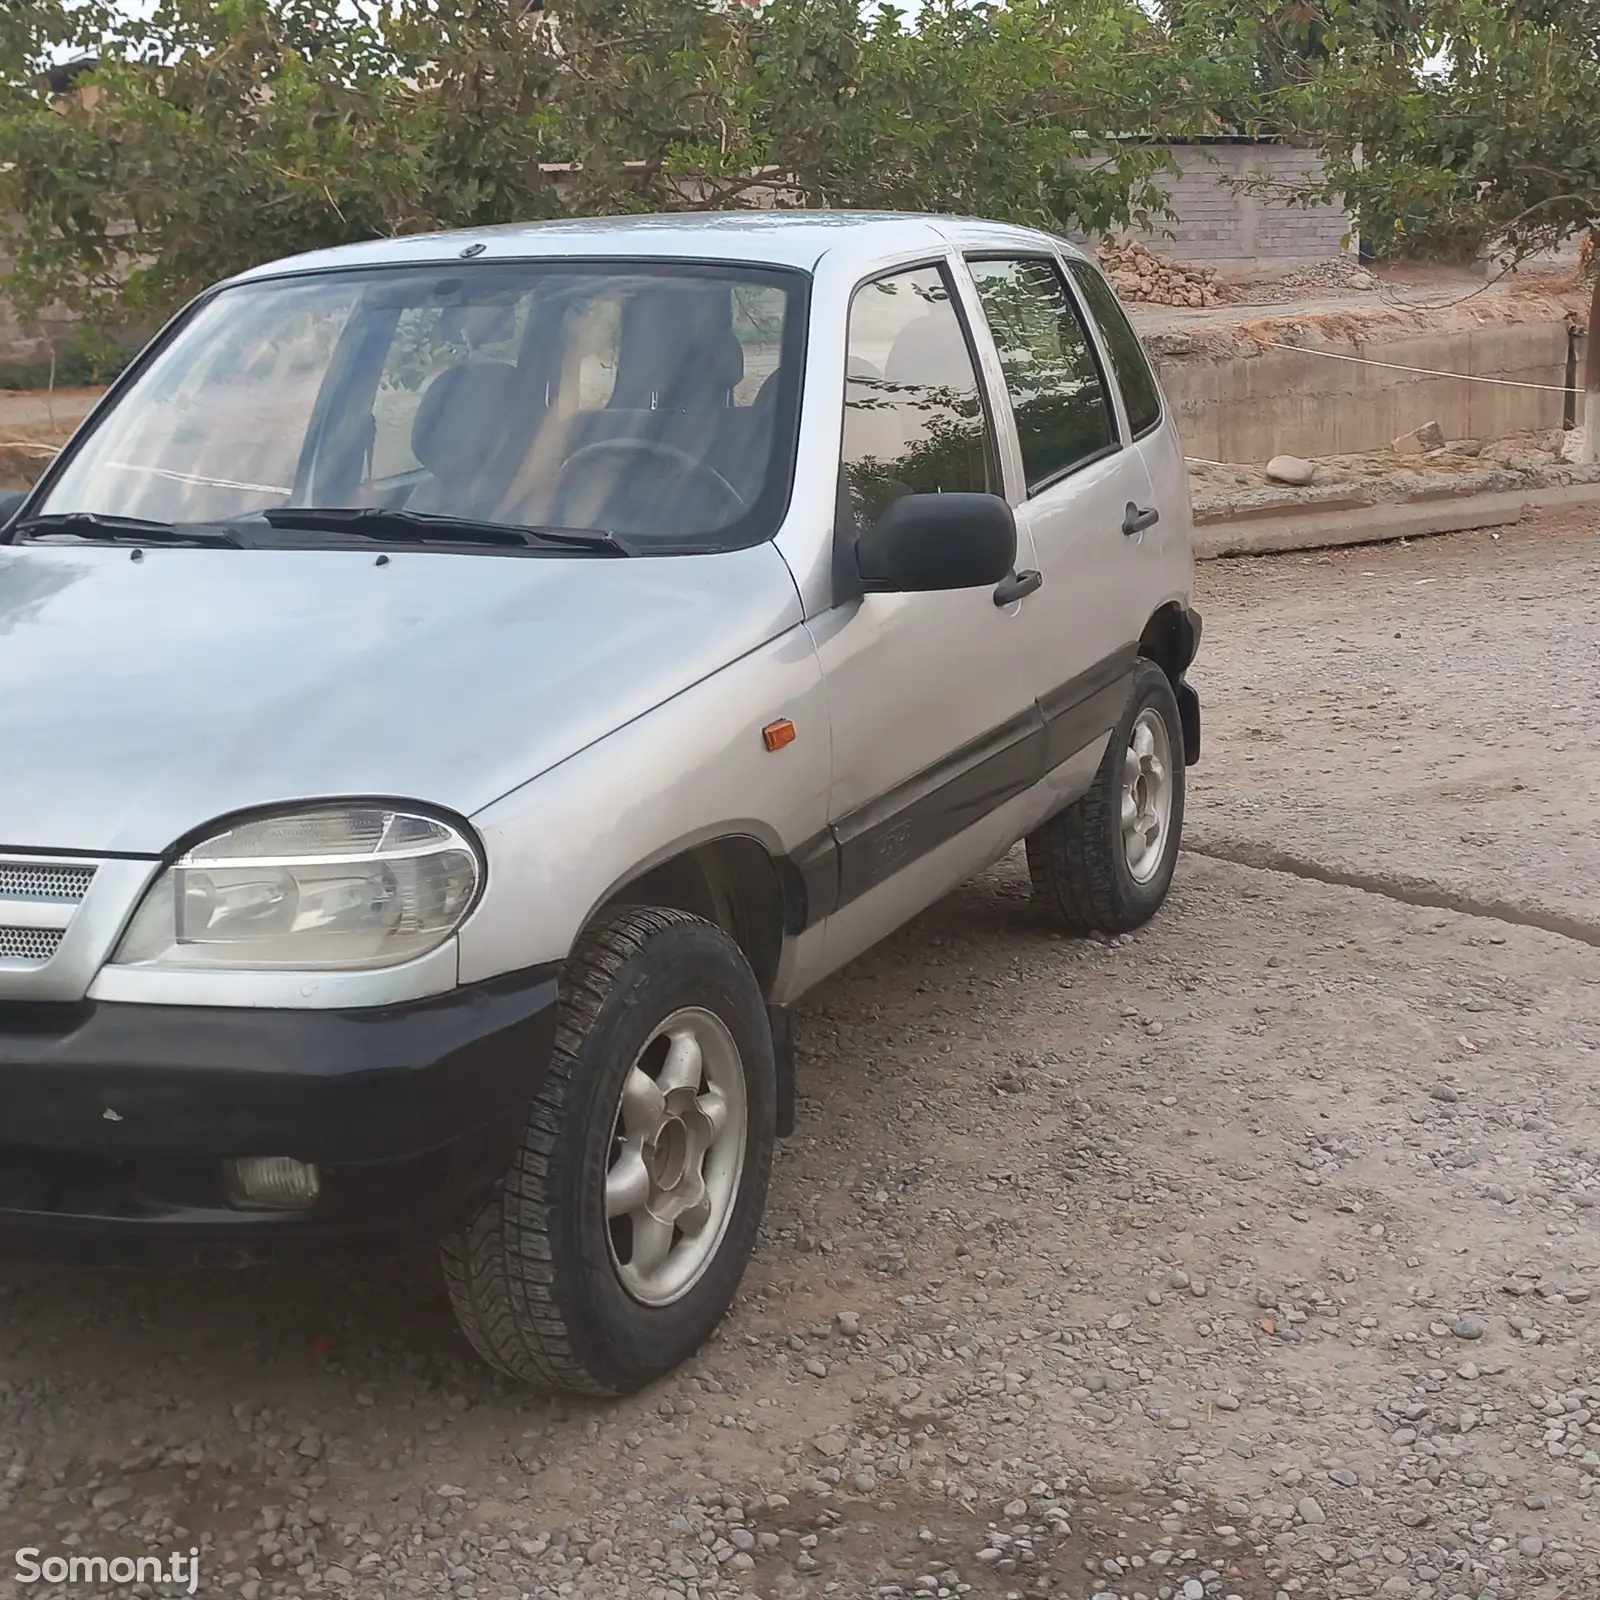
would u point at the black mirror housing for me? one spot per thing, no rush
(10, 503)
(927, 542)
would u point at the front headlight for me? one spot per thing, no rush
(330, 888)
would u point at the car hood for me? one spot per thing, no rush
(144, 696)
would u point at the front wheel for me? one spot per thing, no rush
(1104, 865)
(617, 1241)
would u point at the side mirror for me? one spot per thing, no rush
(925, 542)
(10, 503)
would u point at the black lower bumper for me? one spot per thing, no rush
(116, 1120)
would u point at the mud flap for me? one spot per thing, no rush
(782, 1024)
(1189, 716)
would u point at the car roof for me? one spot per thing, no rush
(774, 238)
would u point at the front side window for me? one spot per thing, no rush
(1052, 377)
(914, 420)
(654, 401)
(1132, 366)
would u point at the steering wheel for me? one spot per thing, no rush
(684, 463)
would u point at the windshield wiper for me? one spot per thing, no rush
(124, 530)
(425, 527)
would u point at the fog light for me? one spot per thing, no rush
(271, 1183)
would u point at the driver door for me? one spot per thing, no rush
(930, 695)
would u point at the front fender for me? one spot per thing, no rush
(694, 769)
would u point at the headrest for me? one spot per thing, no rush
(677, 349)
(462, 418)
(931, 351)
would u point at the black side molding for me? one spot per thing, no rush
(934, 805)
(1086, 706)
(867, 846)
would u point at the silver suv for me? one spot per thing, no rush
(461, 691)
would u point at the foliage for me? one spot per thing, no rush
(1481, 128)
(84, 361)
(216, 134)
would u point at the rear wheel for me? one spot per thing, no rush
(1104, 865)
(616, 1243)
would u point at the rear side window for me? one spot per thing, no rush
(1052, 376)
(1128, 360)
(914, 421)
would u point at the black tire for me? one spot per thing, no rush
(1078, 861)
(531, 1274)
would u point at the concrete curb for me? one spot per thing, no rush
(1319, 528)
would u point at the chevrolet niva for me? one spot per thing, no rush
(457, 693)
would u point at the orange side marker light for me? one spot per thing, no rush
(777, 734)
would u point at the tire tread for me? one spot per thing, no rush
(1072, 860)
(500, 1268)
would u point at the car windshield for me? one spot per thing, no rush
(654, 402)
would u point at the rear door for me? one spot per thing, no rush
(1148, 423)
(1086, 496)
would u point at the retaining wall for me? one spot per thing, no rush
(1242, 400)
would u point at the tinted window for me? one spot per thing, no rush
(914, 421)
(1063, 414)
(1134, 377)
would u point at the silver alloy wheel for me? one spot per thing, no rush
(1146, 794)
(677, 1154)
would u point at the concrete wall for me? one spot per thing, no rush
(1248, 408)
(1219, 224)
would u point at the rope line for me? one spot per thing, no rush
(1426, 372)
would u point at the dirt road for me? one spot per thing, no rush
(1255, 1256)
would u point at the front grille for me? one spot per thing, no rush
(29, 944)
(46, 880)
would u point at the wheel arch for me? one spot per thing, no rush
(730, 881)
(1170, 639)
(733, 882)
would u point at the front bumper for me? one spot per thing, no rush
(115, 1118)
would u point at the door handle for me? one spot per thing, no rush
(1017, 587)
(1137, 518)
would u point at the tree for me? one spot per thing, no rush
(215, 134)
(1278, 44)
(1481, 129)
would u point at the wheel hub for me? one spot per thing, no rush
(677, 1156)
(667, 1156)
(1146, 795)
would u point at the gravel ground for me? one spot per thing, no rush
(1253, 1256)
(1421, 714)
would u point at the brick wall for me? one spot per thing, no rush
(1233, 230)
